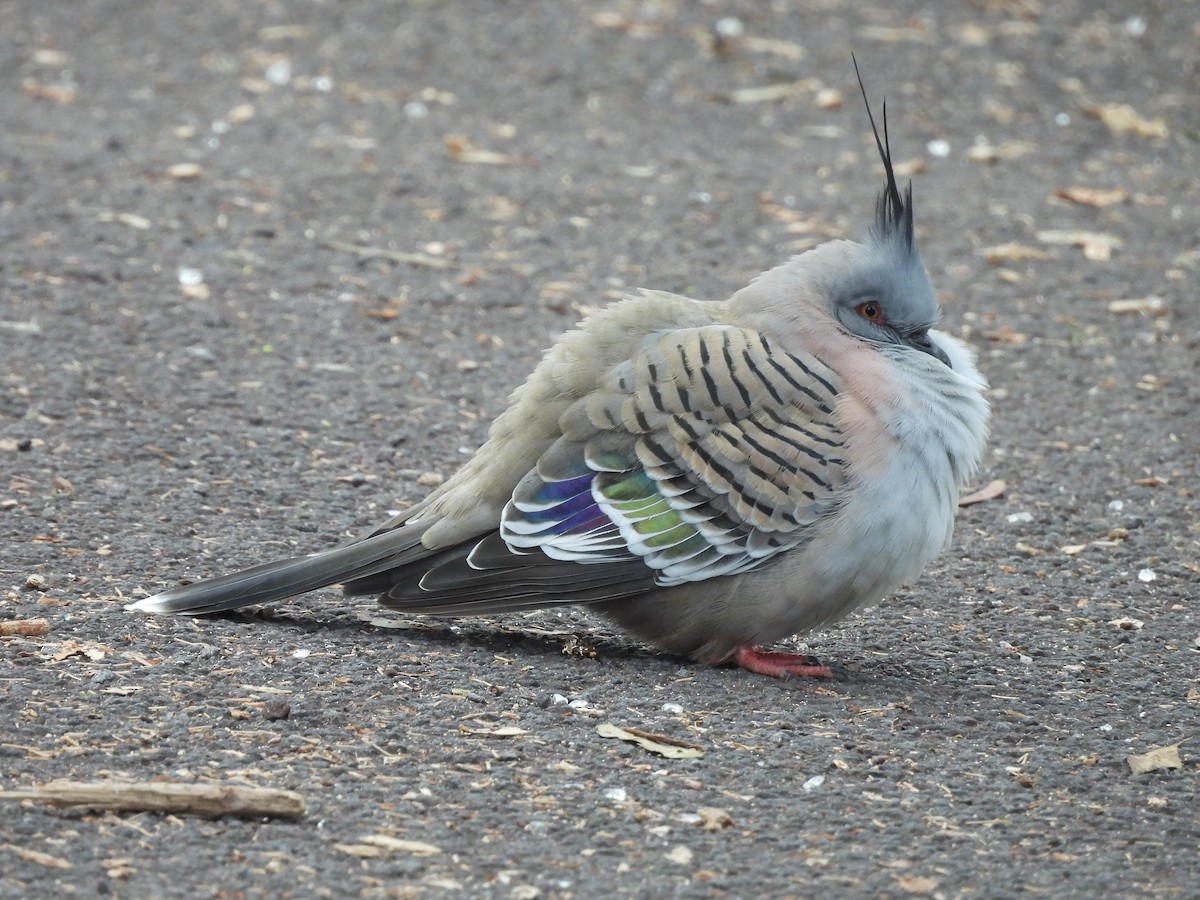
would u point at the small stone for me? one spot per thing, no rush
(185, 171)
(274, 710)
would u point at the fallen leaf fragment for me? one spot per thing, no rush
(989, 491)
(1146, 306)
(981, 151)
(916, 884)
(1096, 246)
(24, 628)
(61, 94)
(770, 92)
(185, 171)
(460, 149)
(667, 747)
(133, 220)
(1086, 196)
(362, 851)
(412, 259)
(399, 845)
(37, 856)
(714, 819)
(680, 855)
(1154, 760)
(503, 731)
(1121, 117)
(1012, 253)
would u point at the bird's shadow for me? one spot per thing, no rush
(582, 640)
(586, 640)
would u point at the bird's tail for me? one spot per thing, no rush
(288, 577)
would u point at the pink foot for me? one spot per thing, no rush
(778, 664)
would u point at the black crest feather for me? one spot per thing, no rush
(893, 213)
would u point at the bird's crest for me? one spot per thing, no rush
(893, 213)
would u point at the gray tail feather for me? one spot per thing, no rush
(288, 577)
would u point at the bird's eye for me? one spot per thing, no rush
(871, 311)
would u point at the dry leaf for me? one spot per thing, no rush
(916, 884)
(714, 819)
(58, 93)
(1121, 117)
(1012, 253)
(1154, 760)
(895, 35)
(37, 856)
(1086, 196)
(989, 491)
(1096, 245)
(770, 92)
(460, 149)
(680, 855)
(982, 151)
(1073, 549)
(1146, 306)
(398, 845)
(786, 49)
(65, 649)
(362, 851)
(655, 743)
(503, 731)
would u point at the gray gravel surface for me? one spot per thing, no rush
(201, 372)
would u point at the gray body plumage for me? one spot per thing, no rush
(709, 475)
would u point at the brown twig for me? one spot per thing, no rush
(173, 797)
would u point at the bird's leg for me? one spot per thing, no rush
(778, 664)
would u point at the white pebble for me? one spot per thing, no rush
(1020, 518)
(672, 708)
(279, 72)
(1147, 575)
(190, 277)
(938, 148)
(729, 28)
(616, 795)
(1116, 505)
(813, 783)
(301, 653)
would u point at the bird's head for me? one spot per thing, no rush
(877, 289)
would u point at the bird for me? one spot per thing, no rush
(713, 476)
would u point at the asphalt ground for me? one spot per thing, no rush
(267, 271)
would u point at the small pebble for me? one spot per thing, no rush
(274, 710)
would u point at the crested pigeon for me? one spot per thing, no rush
(712, 476)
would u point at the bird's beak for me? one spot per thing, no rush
(922, 341)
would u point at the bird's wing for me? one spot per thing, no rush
(707, 453)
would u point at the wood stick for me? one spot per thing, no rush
(172, 797)
(24, 627)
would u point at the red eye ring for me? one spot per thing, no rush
(871, 311)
